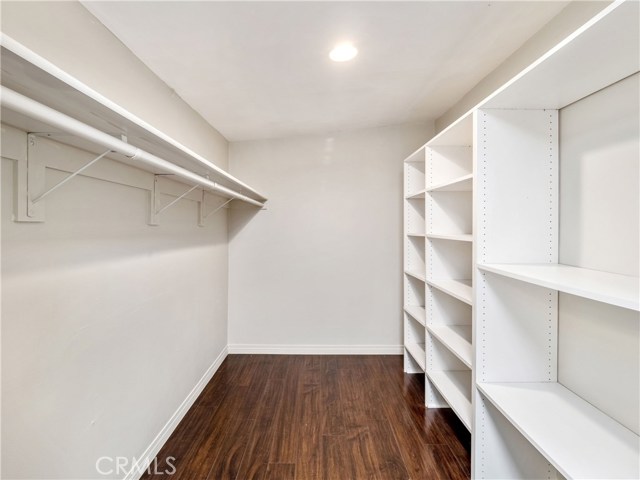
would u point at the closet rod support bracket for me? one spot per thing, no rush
(68, 178)
(154, 210)
(30, 186)
(204, 216)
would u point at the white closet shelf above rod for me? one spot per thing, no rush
(27, 73)
(37, 111)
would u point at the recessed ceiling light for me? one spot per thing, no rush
(343, 52)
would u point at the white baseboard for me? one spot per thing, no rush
(157, 443)
(317, 349)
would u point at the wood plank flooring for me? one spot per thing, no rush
(307, 417)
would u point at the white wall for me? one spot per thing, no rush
(321, 269)
(107, 324)
(66, 34)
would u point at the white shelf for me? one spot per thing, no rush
(457, 338)
(33, 76)
(455, 387)
(459, 133)
(415, 234)
(416, 157)
(462, 237)
(460, 184)
(611, 288)
(418, 313)
(417, 352)
(415, 274)
(460, 289)
(414, 196)
(581, 64)
(576, 438)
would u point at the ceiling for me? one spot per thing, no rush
(261, 69)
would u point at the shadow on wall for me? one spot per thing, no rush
(93, 221)
(239, 217)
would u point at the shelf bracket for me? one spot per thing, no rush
(23, 211)
(204, 216)
(67, 179)
(30, 178)
(155, 201)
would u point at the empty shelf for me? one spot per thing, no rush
(418, 313)
(455, 388)
(416, 157)
(415, 234)
(459, 133)
(419, 194)
(417, 352)
(415, 274)
(611, 288)
(457, 338)
(460, 184)
(461, 237)
(575, 437)
(460, 289)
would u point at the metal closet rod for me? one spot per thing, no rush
(29, 107)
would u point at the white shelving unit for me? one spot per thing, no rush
(531, 232)
(556, 249)
(438, 268)
(414, 263)
(449, 209)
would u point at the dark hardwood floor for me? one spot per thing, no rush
(282, 417)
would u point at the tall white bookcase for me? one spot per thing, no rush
(414, 263)
(449, 214)
(438, 267)
(532, 221)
